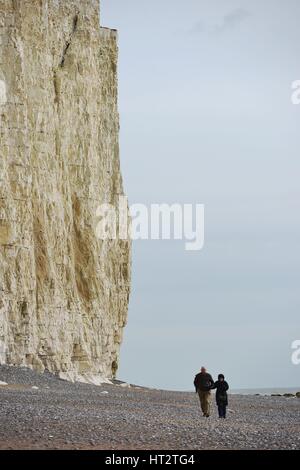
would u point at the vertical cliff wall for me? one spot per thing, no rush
(63, 293)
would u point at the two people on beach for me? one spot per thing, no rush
(204, 383)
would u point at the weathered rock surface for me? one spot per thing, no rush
(63, 292)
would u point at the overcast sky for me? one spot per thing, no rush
(206, 117)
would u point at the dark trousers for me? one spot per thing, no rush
(222, 411)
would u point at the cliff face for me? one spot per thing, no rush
(63, 292)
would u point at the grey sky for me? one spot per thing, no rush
(224, 23)
(206, 117)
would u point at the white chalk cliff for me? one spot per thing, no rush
(63, 292)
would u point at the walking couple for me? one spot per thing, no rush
(204, 384)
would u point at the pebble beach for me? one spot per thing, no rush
(41, 411)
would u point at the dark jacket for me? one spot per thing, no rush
(221, 393)
(203, 382)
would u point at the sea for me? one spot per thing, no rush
(265, 391)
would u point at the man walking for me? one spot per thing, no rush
(203, 384)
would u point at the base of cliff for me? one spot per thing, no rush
(41, 411)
